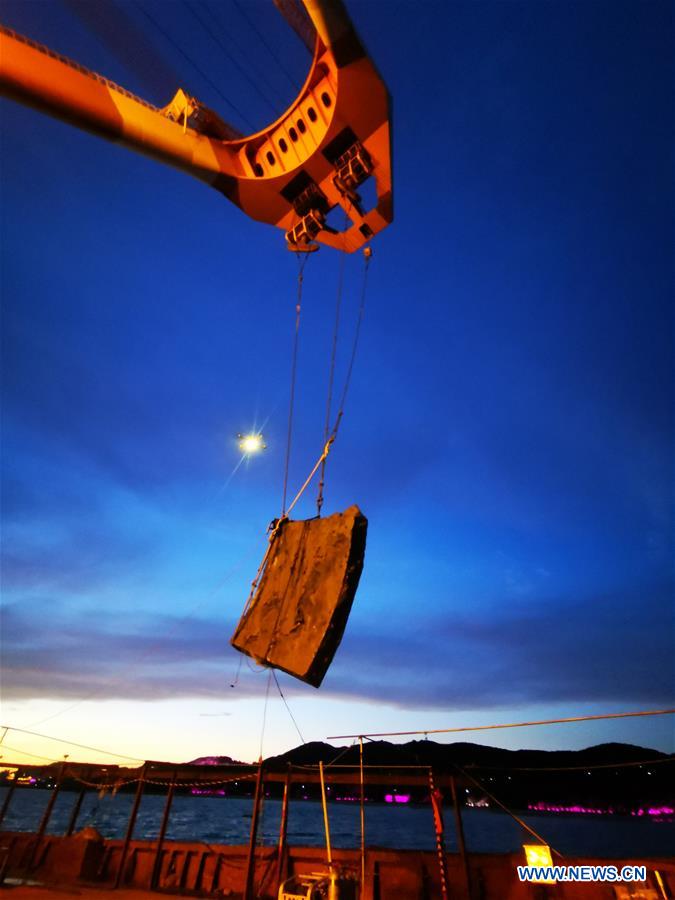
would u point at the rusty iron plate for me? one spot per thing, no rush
(299, 611)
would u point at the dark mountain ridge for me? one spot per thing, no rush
(622, 778)
(444, 757)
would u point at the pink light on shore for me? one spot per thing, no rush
(397, 798)
(654, 811)
(576, 810)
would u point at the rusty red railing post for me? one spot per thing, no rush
(283, 831)
(255, 816)
(77, 806)
(8, 799)
(436, 806)
(46, 816)
(459, 827)
(130, 826)
(156, 868)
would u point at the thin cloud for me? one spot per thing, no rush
(552, 651)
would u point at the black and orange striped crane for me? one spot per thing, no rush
(312, 159)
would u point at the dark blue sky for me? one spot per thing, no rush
(509, 431)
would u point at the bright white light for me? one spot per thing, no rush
(251, 443)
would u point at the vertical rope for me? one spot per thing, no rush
(294, 365)
(367, 255)
(297, 727)
(236, 677)
(264, 719)
(331, 371)
(329, 852)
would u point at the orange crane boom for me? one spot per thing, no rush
(313, 158)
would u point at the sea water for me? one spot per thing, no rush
(219, 820)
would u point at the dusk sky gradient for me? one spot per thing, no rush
(509, 431)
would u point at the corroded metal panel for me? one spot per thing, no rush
(298, 613)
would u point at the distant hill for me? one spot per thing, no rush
(606, 776)
(215, 761)
(443, 757)
(615, 777)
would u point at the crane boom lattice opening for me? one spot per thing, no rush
(299, 611)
